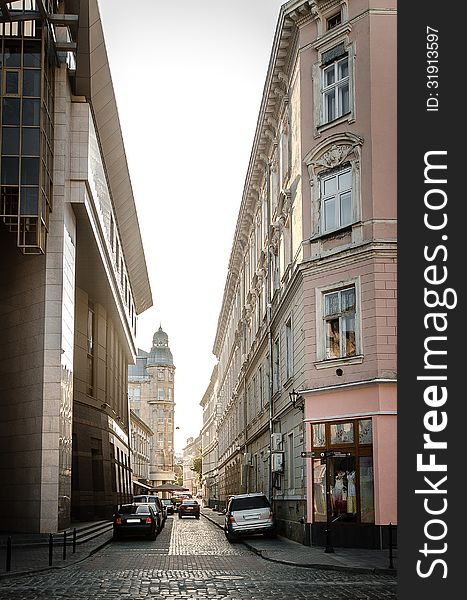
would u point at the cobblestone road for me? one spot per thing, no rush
(191, 560)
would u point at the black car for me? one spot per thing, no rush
(169, 506)
(136, 519)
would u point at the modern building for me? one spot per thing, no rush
(310, 298)
(141, 436)
(73, 276)
(209, 444)
(151, 392)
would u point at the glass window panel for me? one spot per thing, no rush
(348, 299)
(31, 82)
(343, 68)
(365, 431)
(367, 511)
(345, 180)
(342, 488)
(31, 111)
(341, 433)
(10, 170)
(30, 171)
(11, 108)
(329, 214)
(12, 53)
(330, 104)
(346, 208)
(32, 54)
(10, 140)
(332, 339)
(329, 75)
(319, 439)
(12, 82)
(329, 186)
(319, 490)
(331, 303)
(348, 333)
(29, 201)
(31, 139)
(344, 99)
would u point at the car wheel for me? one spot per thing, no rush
(270, 534)
(116, 536)
(230, 538)
(179, 516)
(197, 516)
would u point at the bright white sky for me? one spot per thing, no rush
(188, 77)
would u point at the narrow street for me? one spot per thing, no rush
(191, 559)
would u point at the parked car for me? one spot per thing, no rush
(168, 506)
(249, 514)
(155, 502)
(188, 508)
(136, 519)
(179, 498)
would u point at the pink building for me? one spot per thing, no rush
(310, 298)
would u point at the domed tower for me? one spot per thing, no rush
(151, 394)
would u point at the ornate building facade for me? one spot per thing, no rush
(310, 298)
(151, 382)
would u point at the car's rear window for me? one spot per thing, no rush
(131, 509)
(247, 503)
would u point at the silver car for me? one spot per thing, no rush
(249, 514)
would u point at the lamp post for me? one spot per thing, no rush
(294, 398)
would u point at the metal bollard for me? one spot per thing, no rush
(64, 545)
(51, 548)
(8, 554)
(74, 540)
(391, 563)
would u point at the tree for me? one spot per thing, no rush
(197, 467)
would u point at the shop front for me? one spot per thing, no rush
(351, 479)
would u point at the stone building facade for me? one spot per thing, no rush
(190, 452)
(151, 382)
(141, 436)
(209, 443)
(73, 276)
(310, 298)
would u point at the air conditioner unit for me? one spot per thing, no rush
(277, 462)
(276, 441)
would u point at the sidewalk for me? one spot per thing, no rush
(285, 551)
(30, 552)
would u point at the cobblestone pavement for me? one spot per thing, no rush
(191, 559)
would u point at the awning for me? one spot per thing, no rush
(143, 485)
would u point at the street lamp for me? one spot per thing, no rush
(294, 398)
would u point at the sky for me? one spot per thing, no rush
(188, 77)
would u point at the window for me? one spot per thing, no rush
(336, 199)
(276, 365)
(90, 350)
(349, 479)
(333, 21)
(335, 89)
(339, 323)
(288, 349)
(291, 462)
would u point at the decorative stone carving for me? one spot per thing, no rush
(334, 157)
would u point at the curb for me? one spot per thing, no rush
(374, 570)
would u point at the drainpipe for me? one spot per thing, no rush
(269, 313)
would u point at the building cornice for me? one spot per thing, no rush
(275, 93)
